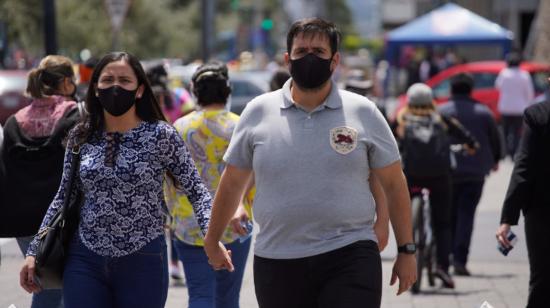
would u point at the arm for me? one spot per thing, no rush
(460, 132)
(519, 189)
(494, 139)
(395, 188)
(382, 215)
(241, 215)
(229, 194)
(186, 179)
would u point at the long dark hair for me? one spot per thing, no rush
(147, 107)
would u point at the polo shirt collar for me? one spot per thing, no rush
(333, 100)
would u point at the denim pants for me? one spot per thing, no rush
(208, 288)
(137, 280)
(45, 298)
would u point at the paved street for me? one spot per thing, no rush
(502, 281)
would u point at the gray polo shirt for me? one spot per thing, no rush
(311, 170)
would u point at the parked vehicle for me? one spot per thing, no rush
(12, 88)
(484, 74)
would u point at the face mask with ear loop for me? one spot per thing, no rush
(116, 100)
(310, 71)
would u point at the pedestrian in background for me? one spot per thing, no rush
(278, 79)
(515, 94)
(469, 174)
(207, 132)
(528, 192)
(32, 155)
(158, 79)
(311, 148)
(117, 257)
(424, 137)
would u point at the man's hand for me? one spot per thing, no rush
(404, 268)
(502, 235)
(218, 257)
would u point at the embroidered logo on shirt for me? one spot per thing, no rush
(343, 139)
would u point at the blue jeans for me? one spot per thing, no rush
(45, 298)
(208, 288)
(136, 280)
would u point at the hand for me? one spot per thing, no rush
(470, 150)
(495, 167)
(240, 216)
(26, 276)
(404, 268)
(502, 233)
(218, 257)
(382, 232)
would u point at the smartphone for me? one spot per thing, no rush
(248, 226)
(512, 238)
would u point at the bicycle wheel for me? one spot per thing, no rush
(419, 238)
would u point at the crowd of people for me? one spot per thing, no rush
(320, 169)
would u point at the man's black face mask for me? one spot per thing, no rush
(310, 71)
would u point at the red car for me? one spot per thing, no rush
(12, 87)
(484, 73)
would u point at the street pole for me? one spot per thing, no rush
(50, 35)
(207, 35)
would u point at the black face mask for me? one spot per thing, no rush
(310, 71)
(116, 100)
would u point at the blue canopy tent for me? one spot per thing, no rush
(449, 24)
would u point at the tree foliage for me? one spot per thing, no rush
(160, 28)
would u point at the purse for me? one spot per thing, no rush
(54, 239)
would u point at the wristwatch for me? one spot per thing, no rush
(409, 248)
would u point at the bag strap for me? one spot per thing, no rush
(75, 163)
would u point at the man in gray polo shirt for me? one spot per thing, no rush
(311, 148)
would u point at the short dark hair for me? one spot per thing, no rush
(314, 26)
(462, 83)
(211, 83)
(513, 59)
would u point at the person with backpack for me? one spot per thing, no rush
(471, 170)
(32, 155)
(424, 138)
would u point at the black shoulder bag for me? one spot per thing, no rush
(54, 239)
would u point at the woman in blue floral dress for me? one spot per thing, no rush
(118, 255)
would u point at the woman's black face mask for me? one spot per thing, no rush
(116, 100)
(310, 71)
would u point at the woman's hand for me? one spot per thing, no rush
(26, 276)
(218, 257)
(240, 216)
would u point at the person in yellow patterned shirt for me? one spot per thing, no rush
(207, 133)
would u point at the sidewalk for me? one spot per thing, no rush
(502, 281)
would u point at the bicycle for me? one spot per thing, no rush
(423, 237)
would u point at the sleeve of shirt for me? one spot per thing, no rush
(58, 200)
(180, 166)
(498, 81)
(519, 191)
(382, 148)
(240, 150)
